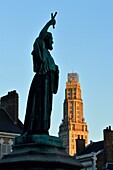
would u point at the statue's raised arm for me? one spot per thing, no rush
(49, 23)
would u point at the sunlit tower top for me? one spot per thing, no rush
(73, 77)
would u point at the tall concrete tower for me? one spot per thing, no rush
(73, 125)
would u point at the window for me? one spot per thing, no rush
(72, 146)
(74, 93)
(77, 116)
(77, 107)
(69, 93)
(71, 107)
(85, 128)
(73, 140)
(71, 112)
(73, 127)
(82, 127)
(72, 135)
(5, 149)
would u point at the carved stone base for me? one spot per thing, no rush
(38, 152)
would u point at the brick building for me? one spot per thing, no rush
(97, 155)
(10, 125)
(73, 123)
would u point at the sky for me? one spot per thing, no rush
(83, 43)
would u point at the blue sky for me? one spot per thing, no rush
(83, 43)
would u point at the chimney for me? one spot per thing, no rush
(10, 104)
(108, 145)
(80, 145)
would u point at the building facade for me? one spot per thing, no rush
(10, 125)
(73, 124)
(97, 155)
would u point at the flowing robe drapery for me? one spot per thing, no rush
(44, 84)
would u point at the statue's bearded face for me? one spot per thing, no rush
(49, 41)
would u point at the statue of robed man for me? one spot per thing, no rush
(44, 84)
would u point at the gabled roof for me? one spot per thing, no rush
(93, 147)
(7, 124)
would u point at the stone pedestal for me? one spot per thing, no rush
(38, 152)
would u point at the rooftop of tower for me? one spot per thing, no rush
(73, 77)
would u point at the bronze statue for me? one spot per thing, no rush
(44, 84)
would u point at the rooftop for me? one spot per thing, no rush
(93, 147)
(8, 125)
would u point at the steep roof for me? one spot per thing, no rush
(7, 124)
(93, 147)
